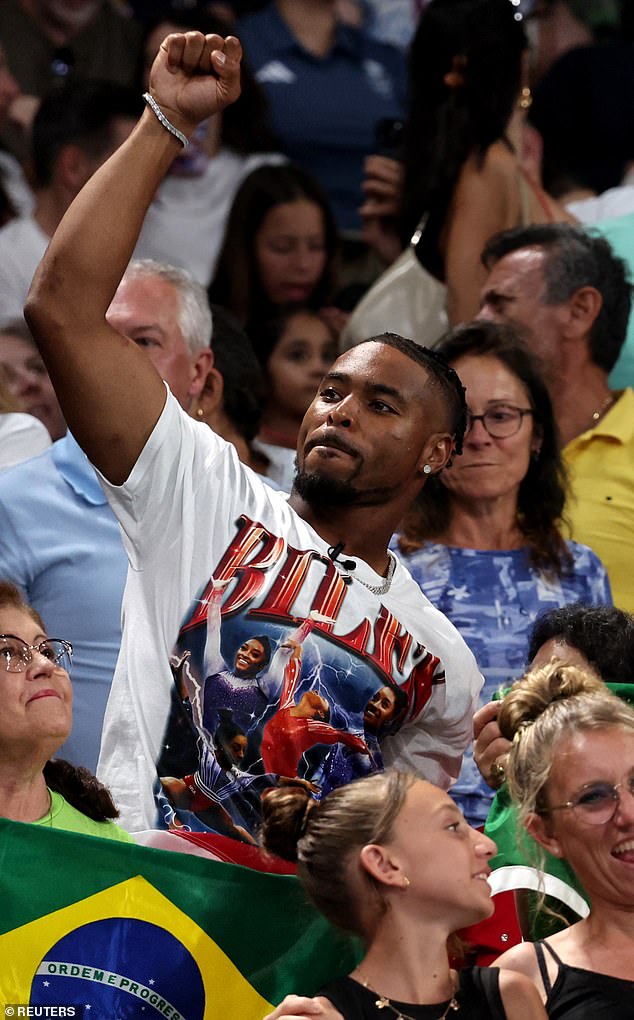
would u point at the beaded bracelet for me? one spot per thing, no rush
(160, 116)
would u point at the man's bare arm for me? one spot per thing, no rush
(110, 393)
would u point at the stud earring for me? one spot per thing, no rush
(199, 412)
(406, 882)
(526, 98)
(427, 469)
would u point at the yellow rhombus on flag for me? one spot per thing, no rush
(118, 931)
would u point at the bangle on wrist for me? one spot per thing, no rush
(162, 119)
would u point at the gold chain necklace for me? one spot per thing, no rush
(600, 411)
(383, 1002)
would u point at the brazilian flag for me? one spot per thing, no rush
(120, 931)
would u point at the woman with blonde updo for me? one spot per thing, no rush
(391, 859)
(571, 773)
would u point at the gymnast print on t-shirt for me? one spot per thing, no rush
(269, 690)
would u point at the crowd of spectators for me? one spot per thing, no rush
(296, 526)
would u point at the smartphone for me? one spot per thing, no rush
(389, 137)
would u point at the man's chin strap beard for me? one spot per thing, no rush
(322, 492)
(318, 490)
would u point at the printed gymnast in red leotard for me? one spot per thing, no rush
(296, 727)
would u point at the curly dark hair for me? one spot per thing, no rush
(603, 634)
(81, 789)
(543, 490)
(236, 284)
(576, 258)
(447, 124)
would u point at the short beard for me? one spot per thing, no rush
(318, 490)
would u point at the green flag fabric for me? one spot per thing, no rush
(120, 931)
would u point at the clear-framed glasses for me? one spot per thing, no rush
(597, 802)
(500, 422)
(16, 654)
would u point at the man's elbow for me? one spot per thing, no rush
(47, 309)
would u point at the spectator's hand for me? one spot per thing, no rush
(298, 1007)
(194, 76)
(490, 747)
(382, 187)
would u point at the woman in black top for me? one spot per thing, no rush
(391, 859)
(571, 772)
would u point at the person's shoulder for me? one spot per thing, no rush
(414, 557)
(410, 566)
(343, 993)
(520, 997)
(66, 816)
(519, 959)
(17, 479)
(497, 163)
(618, 421)
(112, 830)
(489, 180)
(583, 556)
(18, 424)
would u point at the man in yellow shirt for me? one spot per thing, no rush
(572, 294)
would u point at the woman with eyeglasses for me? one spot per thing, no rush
(484, 539)
(35, 720)
(571, 774)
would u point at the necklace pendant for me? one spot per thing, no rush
(382, 1002)
(453, 1005)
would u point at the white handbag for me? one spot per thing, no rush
(405, 299)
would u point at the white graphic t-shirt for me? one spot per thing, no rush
(250, 659)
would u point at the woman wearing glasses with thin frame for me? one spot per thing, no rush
(35, 720)
(571, 774)
(485, 538)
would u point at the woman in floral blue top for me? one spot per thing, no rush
(484, 540)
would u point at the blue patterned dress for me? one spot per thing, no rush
(493, 598)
